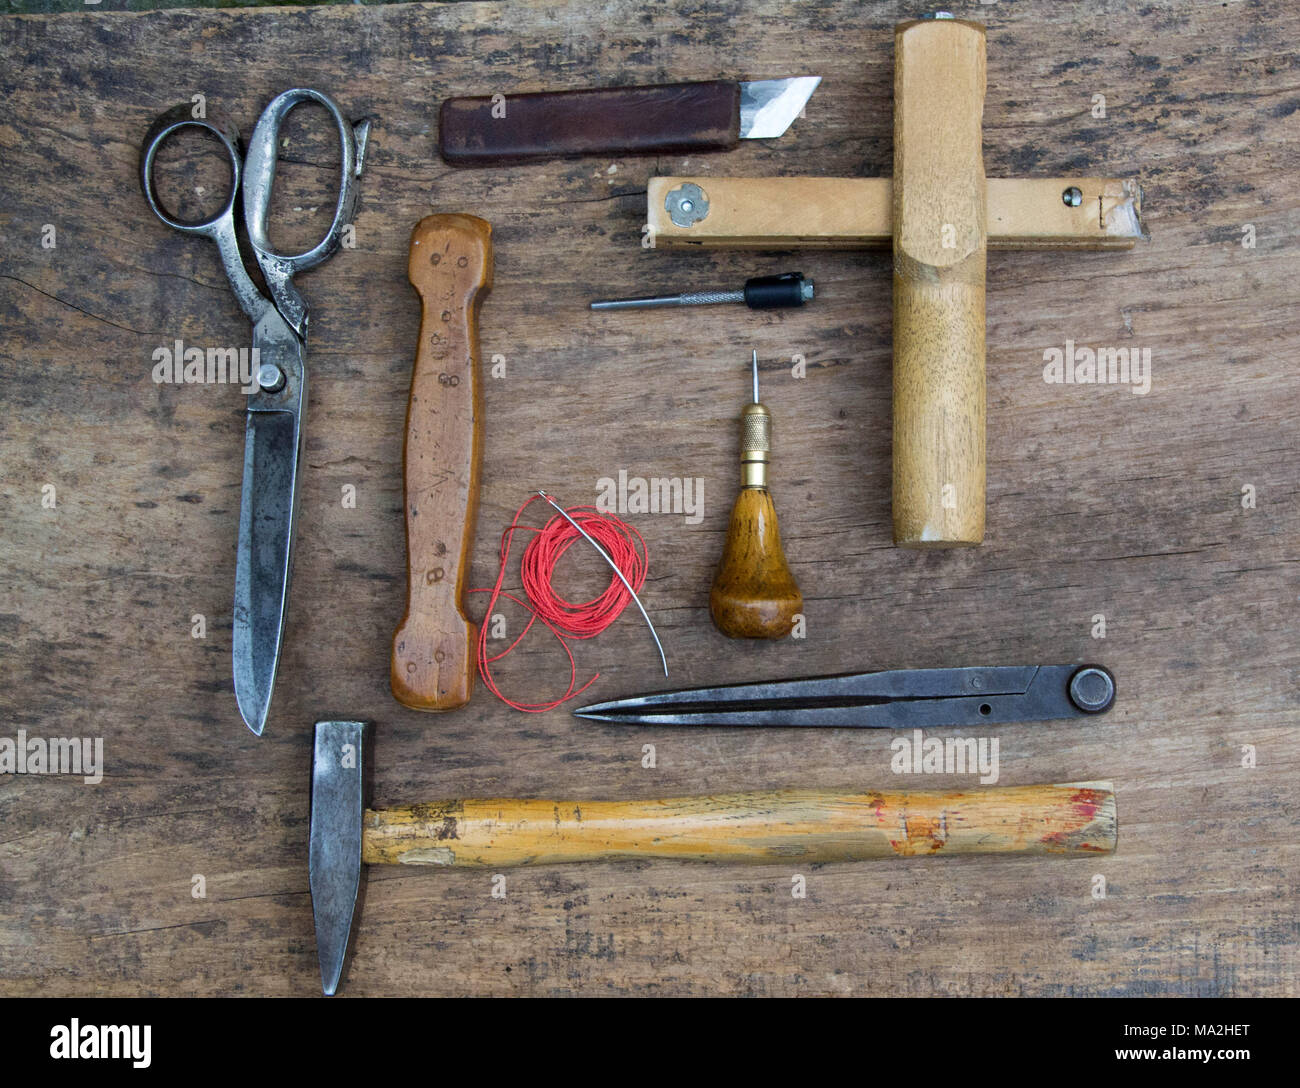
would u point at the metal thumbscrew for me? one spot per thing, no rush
(1092, 689)
(1072, 197)
(687, 204)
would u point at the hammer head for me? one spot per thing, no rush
(337, 801)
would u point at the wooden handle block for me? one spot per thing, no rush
(754, 595)
(670, 117)
(940, 249)
(788, 826)
(434, 647)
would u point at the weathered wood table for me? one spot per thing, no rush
(1166, 521)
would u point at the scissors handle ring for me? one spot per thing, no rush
(259, 176)
(176, 118)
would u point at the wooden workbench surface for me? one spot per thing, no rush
(1101, 503)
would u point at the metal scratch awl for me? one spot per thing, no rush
(780, 292)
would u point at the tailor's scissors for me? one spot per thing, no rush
(273, 432)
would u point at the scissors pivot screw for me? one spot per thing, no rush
(270, 377)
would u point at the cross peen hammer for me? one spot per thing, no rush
(791, 826)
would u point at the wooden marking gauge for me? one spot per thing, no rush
(433, 658)
(941, 216)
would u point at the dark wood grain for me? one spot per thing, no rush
(1099, 502)
(489, 130)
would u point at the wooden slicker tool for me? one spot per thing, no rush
(940, 248)
(433, 658)
(784, 826)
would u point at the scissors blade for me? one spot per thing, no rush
(267, 512)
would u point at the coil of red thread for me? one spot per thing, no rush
(566, 619)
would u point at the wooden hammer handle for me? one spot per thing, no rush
(789, 826)
(940, 249)
(434, 647)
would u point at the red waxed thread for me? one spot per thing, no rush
(566, 619)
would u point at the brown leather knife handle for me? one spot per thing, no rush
(434, 646)
(618, 120)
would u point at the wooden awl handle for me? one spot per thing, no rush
(789, 826)
(940, 249)
(754, 595)
(433, 650)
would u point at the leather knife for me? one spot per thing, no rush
(672, 117)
